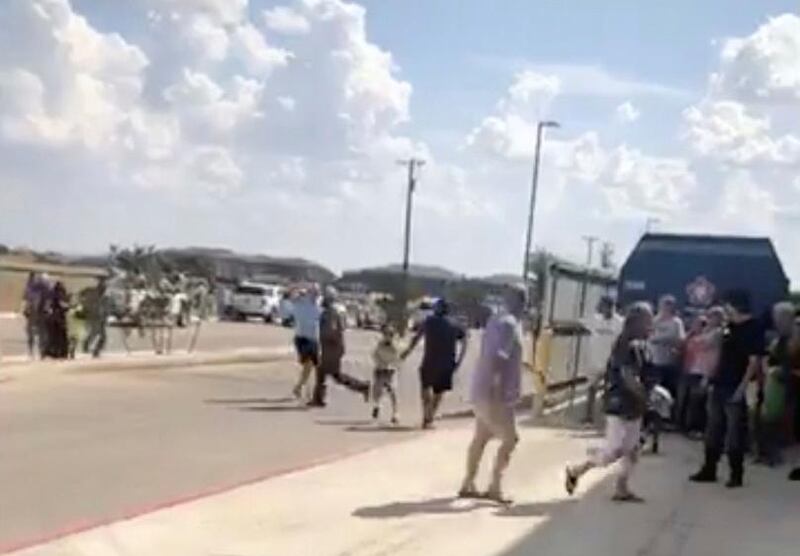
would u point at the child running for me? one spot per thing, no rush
(626, 401)
(386, 357)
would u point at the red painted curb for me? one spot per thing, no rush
(127, 515)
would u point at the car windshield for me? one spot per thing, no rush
(250, 290)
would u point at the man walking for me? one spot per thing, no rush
(604, 328)
(98, 318)
(741, 359)
(494, 393)
(331, 333)
(439, 360)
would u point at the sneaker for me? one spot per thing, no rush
(704, 476)
(315, 403)
(570, 481)
(394, 420)
(375, 412)
(794, 474)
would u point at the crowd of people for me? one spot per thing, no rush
(57, 322)
(708, 370)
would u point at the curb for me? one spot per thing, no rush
(132, 362)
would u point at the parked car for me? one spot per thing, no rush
(256, 300)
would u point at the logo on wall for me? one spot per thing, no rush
(701, 291)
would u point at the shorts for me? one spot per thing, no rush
(440, 381)
(496, 420)
(307, 350)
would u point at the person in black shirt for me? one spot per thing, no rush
(741, 360)
(439, 360)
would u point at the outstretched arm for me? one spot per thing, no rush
(414, 341)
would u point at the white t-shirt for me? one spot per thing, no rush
(603, 333)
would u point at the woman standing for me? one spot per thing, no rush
(626, 401)
(58, 305)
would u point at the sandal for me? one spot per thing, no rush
(497, 496)
(571, 481)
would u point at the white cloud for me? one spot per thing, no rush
(726, 131)
(627, 113)
(586, 79)
(762, 67)
(282, 19)
(511, 131)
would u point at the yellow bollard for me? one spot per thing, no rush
(541, 371)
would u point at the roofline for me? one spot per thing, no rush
(711, 237)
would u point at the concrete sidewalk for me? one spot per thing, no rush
(398, 500)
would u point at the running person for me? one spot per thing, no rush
(439, 361)
(386, 358)
(625, 405)
(305, 314)
(331, 335)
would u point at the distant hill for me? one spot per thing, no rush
(224, 264)
(415, 270)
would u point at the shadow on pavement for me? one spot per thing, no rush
(233, 401)
(380, 428)
(344, 422)
(274, 408)
(445, 505)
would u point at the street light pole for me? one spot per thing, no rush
(413, 164)
(534, 186)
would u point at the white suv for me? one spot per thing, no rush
(256, 300)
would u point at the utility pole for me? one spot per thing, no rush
(581, 306)
(413, 164)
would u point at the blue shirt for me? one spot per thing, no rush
(306, 313)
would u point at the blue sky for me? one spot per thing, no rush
(274, 126)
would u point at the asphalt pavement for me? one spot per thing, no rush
(79, 449)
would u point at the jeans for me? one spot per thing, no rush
(690, 403)
(331, 365)
(726, 431)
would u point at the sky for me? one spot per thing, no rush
(276, 127)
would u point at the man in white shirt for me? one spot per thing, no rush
(494, 394)
(604, 327)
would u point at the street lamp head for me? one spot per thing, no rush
(550, 123)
